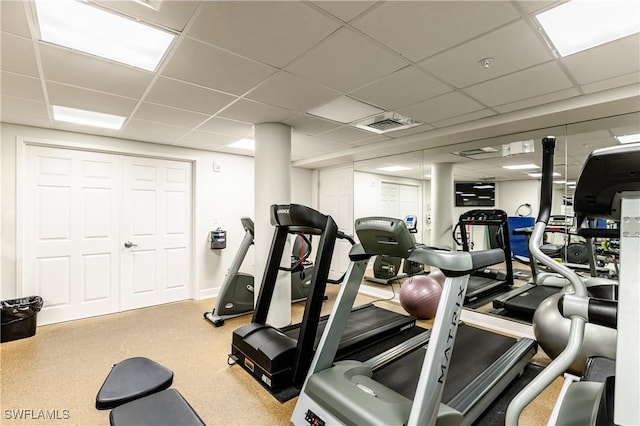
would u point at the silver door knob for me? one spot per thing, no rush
(129, 244)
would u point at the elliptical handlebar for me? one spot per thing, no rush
(546, 190)
(578, 318)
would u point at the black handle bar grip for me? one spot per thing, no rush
(453, 233)
(600, 311)
(546, 193)
(341, 235)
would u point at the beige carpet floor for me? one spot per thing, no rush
(53, 377)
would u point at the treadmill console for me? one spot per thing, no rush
(412, 223)
(483, 217)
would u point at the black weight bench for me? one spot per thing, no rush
(137, 391)
(164, 408)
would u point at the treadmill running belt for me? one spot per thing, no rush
(474, 350)
(481, 286)
(359, 353)
(366, 323)
(528, 302)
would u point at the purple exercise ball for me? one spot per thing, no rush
(437, 275)
(419, 296)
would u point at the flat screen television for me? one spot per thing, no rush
(475, 194)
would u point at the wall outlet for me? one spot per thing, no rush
(217, 167)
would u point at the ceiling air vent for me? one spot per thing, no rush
(383, 123)
(480, 153)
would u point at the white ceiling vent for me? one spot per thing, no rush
(387, 122)
(480, 153)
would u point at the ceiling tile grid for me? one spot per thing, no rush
(272, 32)
(238, 63)
(346, 61)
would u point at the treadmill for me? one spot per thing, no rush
(471, 367)
(524, 300)
(484, 282)
(280, 358)
(389, 269)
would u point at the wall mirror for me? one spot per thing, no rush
(400, 186)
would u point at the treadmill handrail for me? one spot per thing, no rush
(457, 263)
(298, 218)
(389, 236)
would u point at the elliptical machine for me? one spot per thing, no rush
(608, 187)
(236, 294)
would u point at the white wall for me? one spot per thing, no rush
(509, 196)
(367, 197)
(221, 198)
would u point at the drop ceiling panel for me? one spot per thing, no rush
(24, 111)
(75, 97)
(542, 79)
(171, 14)
(13, 18)
(236, 129)
(370, 141)
(21, 86)
(198, 63)
(310, 125)
(476, 115)
(407, 132)
(205, 140)
(187, 96)
(446, 106)
(401, 88)
(271, 32)
(538, 100)
(167, 115)
(347, 135)
(345, 61)
(537, 5)
(144, 129)
(420, 29)
(614, 59)
(302, 145)
(17, 55)
(289, 91)
(255, 112)
(612, 83)
(74, 68)
(459, 66)
(345, 10)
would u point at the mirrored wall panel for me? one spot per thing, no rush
(499, 175)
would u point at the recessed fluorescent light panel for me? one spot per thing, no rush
(521, 167)
(89, 29)
(629, 138)
(87, 118)
(246, 143)
(539, 175)
(345, 110)
(393, 168)
(579, 25)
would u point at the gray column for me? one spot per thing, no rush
(272, 186)
(442, 193)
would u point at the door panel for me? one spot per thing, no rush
(158, 221)
(71, 232)
(80, 208)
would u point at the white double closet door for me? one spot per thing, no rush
(104, 233)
